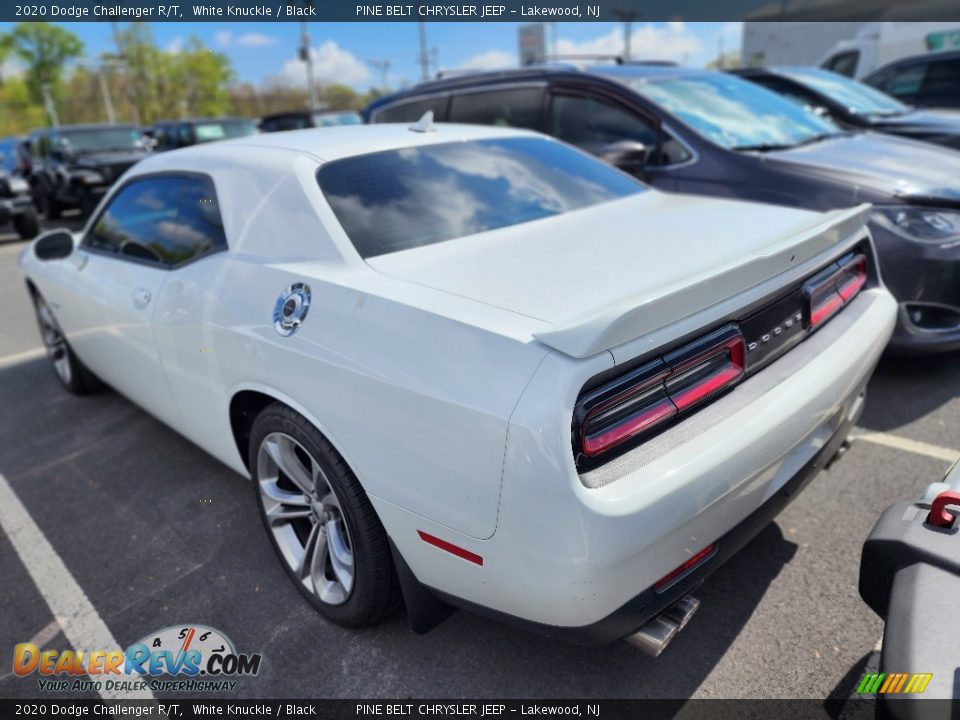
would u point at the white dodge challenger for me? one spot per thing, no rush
(474, 366)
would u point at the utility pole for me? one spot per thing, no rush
(626, 17)
(307, 56)
(383, 67)
(424, 55)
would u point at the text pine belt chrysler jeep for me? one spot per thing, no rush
(474, 365)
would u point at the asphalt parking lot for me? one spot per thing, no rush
(157, 534)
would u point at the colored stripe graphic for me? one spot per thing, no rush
(893, 683)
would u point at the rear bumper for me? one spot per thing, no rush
(642, 608)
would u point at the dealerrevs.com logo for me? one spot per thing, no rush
(186, 658)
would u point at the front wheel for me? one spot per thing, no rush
(320, 521)
(72, 373)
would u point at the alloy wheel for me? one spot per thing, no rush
(305, 517)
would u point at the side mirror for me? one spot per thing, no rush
(629, 155)
(54, 245)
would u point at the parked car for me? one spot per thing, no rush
(300, 119)
(172, 134)
(910, 576)
(16, 202)
(856, 106)
(15, 152)
(930, 80)
(879, 43)
(74, 165)
(696, 131)
(434, 381)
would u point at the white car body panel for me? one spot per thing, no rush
(446, 375)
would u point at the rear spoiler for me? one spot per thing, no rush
(631, 317)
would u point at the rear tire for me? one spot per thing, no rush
(321, 523)
(27, 224)
(70, 371)
(47, 205)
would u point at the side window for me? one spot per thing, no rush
(165, 220)
(184, 136)
(844, 63)
(593, 123)
(412, 111)
(941, 86)
(902, 81)
(518, 107)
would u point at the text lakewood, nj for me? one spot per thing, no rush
(480, 11)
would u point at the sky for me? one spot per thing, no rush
(265, 52)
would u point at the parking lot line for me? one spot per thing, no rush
(21, 357)
(915, 446)
(67, 601)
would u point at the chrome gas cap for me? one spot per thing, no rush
(291, 309)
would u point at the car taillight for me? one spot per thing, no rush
(705, 367)
(652, 394)
(835, 286)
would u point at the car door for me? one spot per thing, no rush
(594, 122)
(124, 260)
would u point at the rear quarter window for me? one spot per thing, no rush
(411, 111)
(401, 199)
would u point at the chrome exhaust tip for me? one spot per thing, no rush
(654, 637)
(682, 611)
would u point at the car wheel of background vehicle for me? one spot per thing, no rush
(88, 203)
(72, 373)
(320, 521)
(27, 224)
(48, 207)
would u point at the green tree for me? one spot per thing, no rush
(45, 49)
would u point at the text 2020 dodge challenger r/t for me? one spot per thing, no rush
(474, 365)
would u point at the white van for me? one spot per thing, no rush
(879, 43)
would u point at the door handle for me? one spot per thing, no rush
(141, 297)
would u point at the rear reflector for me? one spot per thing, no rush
(674, 575)
(450, 548)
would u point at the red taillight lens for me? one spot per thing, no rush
(655, 392)
(624, 409)
(835, 286)
(706, 366)
(854, 277)
(674, 575)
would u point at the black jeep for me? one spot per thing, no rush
(74, 165)
(16, 203)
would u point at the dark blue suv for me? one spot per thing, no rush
(710, 133)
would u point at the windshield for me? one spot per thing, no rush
(331, 119)
(114, 138)
(735, 113)
(224, 130)
(401, 199)
(855, 96)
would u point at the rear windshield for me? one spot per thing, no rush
(401, 199)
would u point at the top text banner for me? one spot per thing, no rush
(265, 11)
